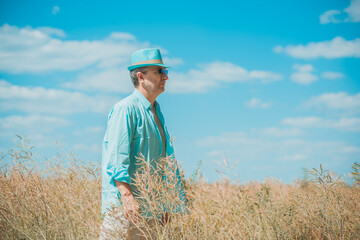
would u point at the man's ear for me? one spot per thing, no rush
(140, 77)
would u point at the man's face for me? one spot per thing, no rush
(154, 80)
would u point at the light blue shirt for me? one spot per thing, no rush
(131, 132)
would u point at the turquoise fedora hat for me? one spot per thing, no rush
(146, 57)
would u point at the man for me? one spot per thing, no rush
(136, 128)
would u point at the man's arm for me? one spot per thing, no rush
(131, 207)
(119, 136)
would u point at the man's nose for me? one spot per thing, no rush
(165, 76)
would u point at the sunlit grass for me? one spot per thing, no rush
(62, 201)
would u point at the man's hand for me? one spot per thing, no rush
(131, 207)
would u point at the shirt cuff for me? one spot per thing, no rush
(120, 176)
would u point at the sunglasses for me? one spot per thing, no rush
(163, 71)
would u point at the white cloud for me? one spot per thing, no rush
(349, 14)
(330, 17)
(349, 104)
(354, 11)
(50, 101)
(345, 124)
(279, 132)
(275, 151)
(295, 157)
(227, 137)
(122, 36)
(252, 148)
(303, 68)
(34, 122)
(303, 75)
(29, 50)
(94, 148)
(42, 130)
(335, 48)
(332, 75)
(257, 103)
(171, 62)
(108, 80)
(90, 130)
(40, 137)
(52, 31)
(35, 50)
(55, 10)
(350, 149)
(211, 75)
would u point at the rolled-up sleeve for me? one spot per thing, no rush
(120, 131)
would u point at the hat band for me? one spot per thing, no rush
(148, 62)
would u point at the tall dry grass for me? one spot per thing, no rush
(58, 201)
(62, 201)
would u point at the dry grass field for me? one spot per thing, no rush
(62, 201)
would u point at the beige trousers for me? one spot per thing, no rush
(116, 227)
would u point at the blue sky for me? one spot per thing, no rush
(271, 86)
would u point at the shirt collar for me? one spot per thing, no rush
(143, 100)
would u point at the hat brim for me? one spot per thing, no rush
(146, 65)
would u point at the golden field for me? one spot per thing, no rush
(62, 200)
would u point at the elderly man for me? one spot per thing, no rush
(136, 128)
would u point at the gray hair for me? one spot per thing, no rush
(133, 75)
